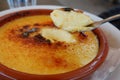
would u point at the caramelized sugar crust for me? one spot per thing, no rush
(36, 55)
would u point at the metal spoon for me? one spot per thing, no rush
(98, 23)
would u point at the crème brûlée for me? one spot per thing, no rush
(31, 53)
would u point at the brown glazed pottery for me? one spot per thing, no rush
(78, 74)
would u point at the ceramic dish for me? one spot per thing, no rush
(80, 73)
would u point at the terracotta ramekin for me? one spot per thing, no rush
(10, 74)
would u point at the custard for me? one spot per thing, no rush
(35, 55)
(72, 21)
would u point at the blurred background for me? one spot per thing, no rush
(93, 6)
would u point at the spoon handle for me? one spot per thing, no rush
(98, 23)
(111, 18)
(108, 19)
